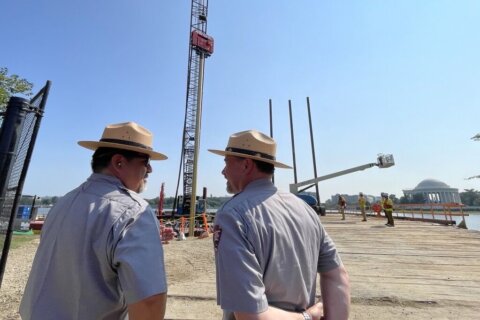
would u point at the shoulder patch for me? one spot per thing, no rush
(217, 234)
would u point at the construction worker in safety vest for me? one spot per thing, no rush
(387, 205)
(342, 204)
(361, 203)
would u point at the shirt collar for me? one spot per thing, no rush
(100, 177)
(259, 184)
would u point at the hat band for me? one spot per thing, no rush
(251, 153)
(128, 143)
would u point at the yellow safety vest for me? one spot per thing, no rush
(387, 205)
(361, 202)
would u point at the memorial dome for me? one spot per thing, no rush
(432, 184)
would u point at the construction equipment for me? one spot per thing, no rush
(383, 161)
(200, 47)
(473, 177)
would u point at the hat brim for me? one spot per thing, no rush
(94, 145)
(242, 155)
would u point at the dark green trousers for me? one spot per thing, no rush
(389, 215)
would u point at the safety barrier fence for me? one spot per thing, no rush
(442, 213)
(432, 212)
(177, 227)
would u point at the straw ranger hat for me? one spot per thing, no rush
(252, 144)
(126, 136)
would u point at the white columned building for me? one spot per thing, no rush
(434, 191)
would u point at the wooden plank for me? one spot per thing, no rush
(413, 261)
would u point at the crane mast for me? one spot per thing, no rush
(200, 47)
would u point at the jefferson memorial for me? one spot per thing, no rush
(434, 191)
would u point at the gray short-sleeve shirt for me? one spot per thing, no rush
(269, 246)
(100, 250)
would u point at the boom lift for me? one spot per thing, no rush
(383, 161)
(200, 47)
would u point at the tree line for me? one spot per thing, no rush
(470, 197)
(11, 85)
(212, 202)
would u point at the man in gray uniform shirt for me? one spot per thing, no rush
(270, 245)
(100, 254)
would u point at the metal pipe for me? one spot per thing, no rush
(293, 142)
(271, 129)
(198, 121)
(32, 207)
(271, 117)
(313, 150)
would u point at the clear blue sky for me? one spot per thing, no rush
(396, 77)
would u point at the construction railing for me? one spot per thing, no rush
(436, 212)
(442, 213)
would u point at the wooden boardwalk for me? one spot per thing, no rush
(416, 267)
(416, 270)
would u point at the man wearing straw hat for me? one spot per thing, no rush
(100, 254)
(270, 245)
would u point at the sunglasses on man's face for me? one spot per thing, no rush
(145, 158)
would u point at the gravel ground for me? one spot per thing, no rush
(15, 278)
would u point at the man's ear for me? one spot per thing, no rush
(249, 165)
(117, 162)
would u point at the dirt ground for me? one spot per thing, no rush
(191, 279)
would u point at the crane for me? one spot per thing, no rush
(200, 48)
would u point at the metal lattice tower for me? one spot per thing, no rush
(200, 47)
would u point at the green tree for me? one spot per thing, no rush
(418, 198)
(212, 202)
(11, 85)
(394, 198)
(404, 200)
(46, 201)
(470, 197)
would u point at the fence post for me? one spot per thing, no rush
(462, 224)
